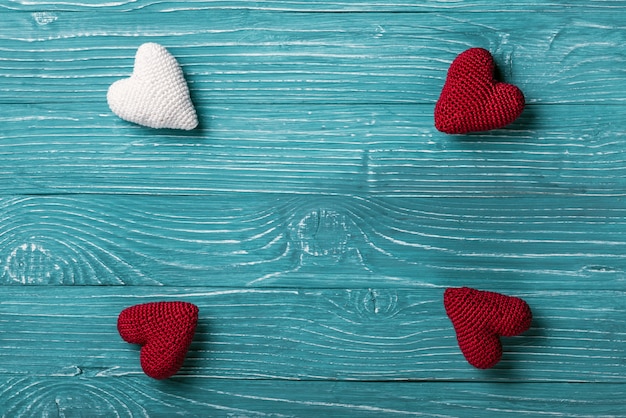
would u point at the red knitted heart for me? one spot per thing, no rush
(480, 318)
(164, 330)
(471, 100)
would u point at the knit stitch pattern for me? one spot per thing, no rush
(480, 318)
(164, 330)
(471, 100)
(156, 95)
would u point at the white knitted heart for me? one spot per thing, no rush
(156, 94)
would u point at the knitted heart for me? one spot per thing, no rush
(164, 330)
(471, 100)
(156, 94)
(480, 318)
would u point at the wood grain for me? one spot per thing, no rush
(126, 397)
(317, 334)
(280, 57)
(316, 216)
(317, 6)
(323, 149)
(313, 241)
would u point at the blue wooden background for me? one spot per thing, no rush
(316, 216)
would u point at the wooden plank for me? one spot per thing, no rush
(129, 397)
(316, 216)
(317, 334)
(359, 6)
(266, 240)
(268, 57)
(385, 151)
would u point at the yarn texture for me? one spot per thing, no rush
(156, 95)
(164, 330)
(480, 318)
(471, 100)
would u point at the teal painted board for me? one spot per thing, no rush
(276, 57)
(314, 241)
(359, 6)
(316, 216)
(375, 335)
(61, 396)
(346, 150)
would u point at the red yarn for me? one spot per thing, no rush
(164, 330)
(471, 100)
(480, 318)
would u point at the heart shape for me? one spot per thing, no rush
(156, 94)
(164, 330)
(471, 100)
(480, 318)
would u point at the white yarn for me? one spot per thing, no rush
(156, 94)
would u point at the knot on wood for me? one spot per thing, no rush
(31, 263)
(323, 234)
(373, 303)
(44, 18)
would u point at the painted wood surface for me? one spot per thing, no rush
(316, 216)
